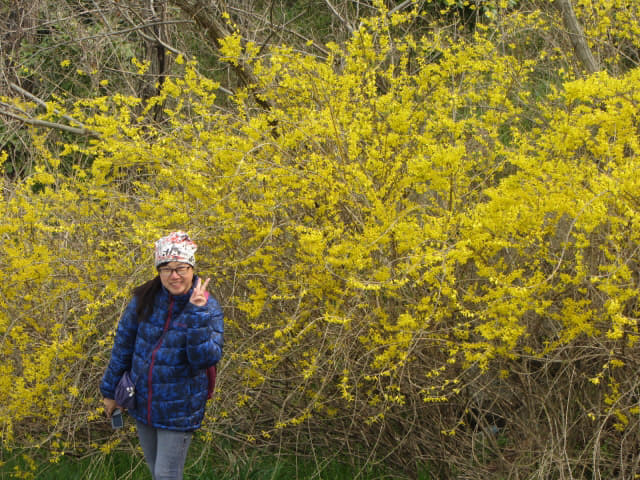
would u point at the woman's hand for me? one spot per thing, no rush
(109, 406)
(199, 294)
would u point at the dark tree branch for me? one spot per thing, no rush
(208, 19)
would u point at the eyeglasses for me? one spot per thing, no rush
(168, 271)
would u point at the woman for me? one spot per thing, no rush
(168, 336)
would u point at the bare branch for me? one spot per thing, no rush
(118, 32)
(42, 103)
(397, 8)
(24, 116)
(42, 123)
(283, 28)
(337, 14)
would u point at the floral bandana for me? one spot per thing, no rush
(175, 247)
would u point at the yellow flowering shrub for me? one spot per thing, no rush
(613, 30)
(400, 237)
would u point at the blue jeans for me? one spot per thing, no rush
(164, 450)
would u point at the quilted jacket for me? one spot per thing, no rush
(168, 355)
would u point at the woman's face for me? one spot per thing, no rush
(176, 277)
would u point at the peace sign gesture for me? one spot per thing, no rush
(199, 295)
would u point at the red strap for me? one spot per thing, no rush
(212, 371)
(211, 375)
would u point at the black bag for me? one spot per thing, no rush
(126, 392)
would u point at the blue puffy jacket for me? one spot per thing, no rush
(168, 355)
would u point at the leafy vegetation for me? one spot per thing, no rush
(201, 466)
(424, 238)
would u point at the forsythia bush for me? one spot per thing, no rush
(412, 250)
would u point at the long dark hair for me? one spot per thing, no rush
(145, 294)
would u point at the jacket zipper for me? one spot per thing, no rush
(153, 359)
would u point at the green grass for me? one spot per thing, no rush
(118, 465)
(257, 465)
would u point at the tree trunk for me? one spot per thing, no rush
(155, 52)
(576, 34)
(207, 17)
